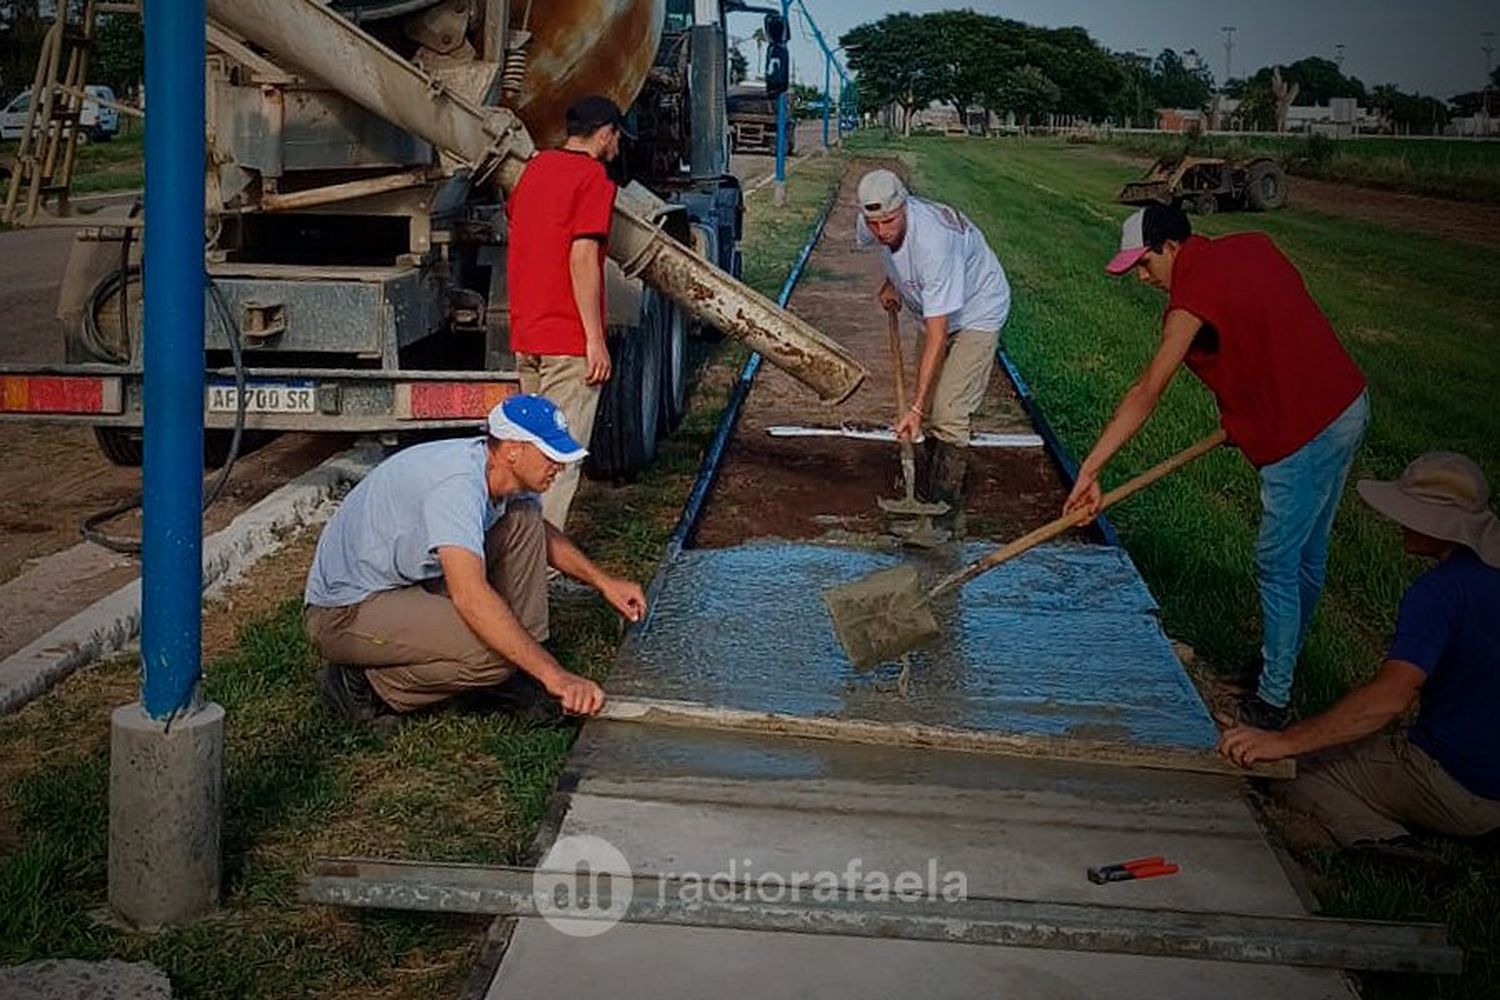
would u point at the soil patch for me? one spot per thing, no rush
(805, 487)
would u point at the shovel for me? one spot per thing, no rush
(920, 532)
(885, 614)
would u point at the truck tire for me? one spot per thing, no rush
(125, 447)
(1206, 204)
(674, 366)
(121, 445)
(1265, 186)
(624, 438)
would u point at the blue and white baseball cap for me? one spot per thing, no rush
(537, 420)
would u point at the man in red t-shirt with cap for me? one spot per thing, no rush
(1290, 398)
(559, 225)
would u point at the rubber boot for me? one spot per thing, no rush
(950, 466)
(925, 454)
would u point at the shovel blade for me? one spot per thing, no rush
(881, 616)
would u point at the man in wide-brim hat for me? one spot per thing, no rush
(1442, 774)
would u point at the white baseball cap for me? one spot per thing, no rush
(881, 193)
(538, 421)
(1132, 244)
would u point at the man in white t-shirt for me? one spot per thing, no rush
(939, 266)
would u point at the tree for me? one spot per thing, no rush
(1409, 113)
(1133, 105)
(1318, 80)
(806, 101)
(1088, 79)
(739, 66)
(962, 60)
(893, 60)
(1175, 86)
(1026, 91)
(22, 28)
(119, 53)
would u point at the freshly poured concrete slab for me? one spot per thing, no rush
(676, 963)
(695, 803)
(1063, 641)
(1012, 828)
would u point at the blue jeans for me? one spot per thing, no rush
(1299, 496)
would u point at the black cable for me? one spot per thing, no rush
(132, 546)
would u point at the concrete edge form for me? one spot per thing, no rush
(1317, 942)
(693, 715)
(110, 625)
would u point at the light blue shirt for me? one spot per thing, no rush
(387, 531)
(944, 267)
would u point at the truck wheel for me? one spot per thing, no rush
(1205, 204)
(121, 445)
(1265, 189)
(624, 438)
(674, 366)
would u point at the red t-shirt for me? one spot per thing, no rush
(561, 196)
(1266, 350)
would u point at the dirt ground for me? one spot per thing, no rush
(55, 478)
(805, 487)
(1472, 222)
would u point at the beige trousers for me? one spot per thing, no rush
(1376, 788)
(562, 379)
(961, 384)
(416, 649)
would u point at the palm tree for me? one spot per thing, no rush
(759, 38)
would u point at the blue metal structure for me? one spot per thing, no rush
(172, 558)
(830, 63)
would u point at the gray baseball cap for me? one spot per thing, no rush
(881, 193)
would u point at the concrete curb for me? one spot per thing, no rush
(110, 625)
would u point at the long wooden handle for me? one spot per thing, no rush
(897, 360)
(1049, 531)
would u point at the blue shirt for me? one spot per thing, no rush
(1449, 626)
(387, 531)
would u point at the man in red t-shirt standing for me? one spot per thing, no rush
(1290, 398)
(559, 225)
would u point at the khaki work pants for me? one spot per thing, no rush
(416, 649)
(1376, 788)
(562, 379)
(961, 384)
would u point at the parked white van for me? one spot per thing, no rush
(98, 122)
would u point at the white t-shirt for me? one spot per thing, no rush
(944, 267)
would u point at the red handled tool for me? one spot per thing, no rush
(1125, 871)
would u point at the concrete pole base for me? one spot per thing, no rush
(165, 811)
(780, 197)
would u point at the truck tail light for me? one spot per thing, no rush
(59, 394)
(454, 400)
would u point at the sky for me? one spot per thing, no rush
(1428, 46)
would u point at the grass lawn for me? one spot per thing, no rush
(1422, 318)
(1468, 170)
(300, 783)
(102, 166)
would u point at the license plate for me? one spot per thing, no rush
(264, 397)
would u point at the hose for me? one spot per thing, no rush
(90, 528)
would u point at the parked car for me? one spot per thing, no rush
(98, 122)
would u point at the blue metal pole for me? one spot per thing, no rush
(781, 111)
(172, 556)
(827, 93)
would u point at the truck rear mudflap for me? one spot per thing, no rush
(275, 399)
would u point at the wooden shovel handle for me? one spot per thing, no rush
(1049, 531)
(896, 360)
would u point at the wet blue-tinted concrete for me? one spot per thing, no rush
(1062, 641)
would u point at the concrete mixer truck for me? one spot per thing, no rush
(359, 153)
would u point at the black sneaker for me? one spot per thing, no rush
(347, 691)
(1253, 710)
(519, 696)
